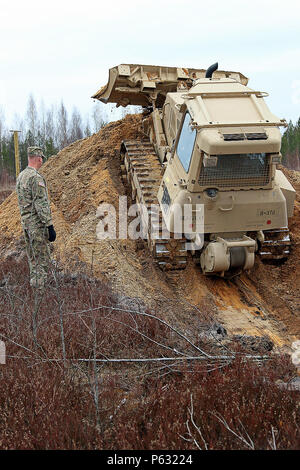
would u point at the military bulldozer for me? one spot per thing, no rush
(212, 144)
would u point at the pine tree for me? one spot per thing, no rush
(50, 148)
(290, 147)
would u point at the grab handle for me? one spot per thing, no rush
(226, 209)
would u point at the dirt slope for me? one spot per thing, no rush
(263, 302)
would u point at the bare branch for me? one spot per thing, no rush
(249, 443)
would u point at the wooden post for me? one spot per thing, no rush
(17, 158)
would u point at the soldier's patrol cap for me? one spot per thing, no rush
(35, 152)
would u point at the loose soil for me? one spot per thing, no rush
(262, 302)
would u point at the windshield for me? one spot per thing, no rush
(186, 143)
(244, 169)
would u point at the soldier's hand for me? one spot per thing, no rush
(52, 233)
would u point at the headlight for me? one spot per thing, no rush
(211, 192)
(210, 161)
(276, 158)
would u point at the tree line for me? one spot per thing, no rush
(290, 148)
(51, 128)
(54, 128)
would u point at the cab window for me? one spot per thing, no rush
(186, 143)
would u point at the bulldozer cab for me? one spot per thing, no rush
(227, 137)
(199, 170)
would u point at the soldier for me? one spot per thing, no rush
(35, 217)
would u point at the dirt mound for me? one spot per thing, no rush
(294, 178)
(264, 302)
(4, 194)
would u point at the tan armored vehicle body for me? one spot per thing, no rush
(212, 146)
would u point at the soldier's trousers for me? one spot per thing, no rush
(38, 253)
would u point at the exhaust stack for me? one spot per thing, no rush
(211, 70)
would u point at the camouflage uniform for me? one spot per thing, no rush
(36, 218)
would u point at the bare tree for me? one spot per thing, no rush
(87, 129)
(76, 126)
(62, 129)
(18, 124)
(49, 125)
(42, 124)
(32, 117)
(99, 117)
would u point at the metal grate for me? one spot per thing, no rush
(256, 136)
(234, 136)
(248, 136)
(252, 169)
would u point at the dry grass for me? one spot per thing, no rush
(48, 403)
(4, 193)
(7, 185)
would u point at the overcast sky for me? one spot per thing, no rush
(62, 50)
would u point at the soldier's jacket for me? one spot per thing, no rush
(33, 199)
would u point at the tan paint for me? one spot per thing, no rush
(230, 119)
